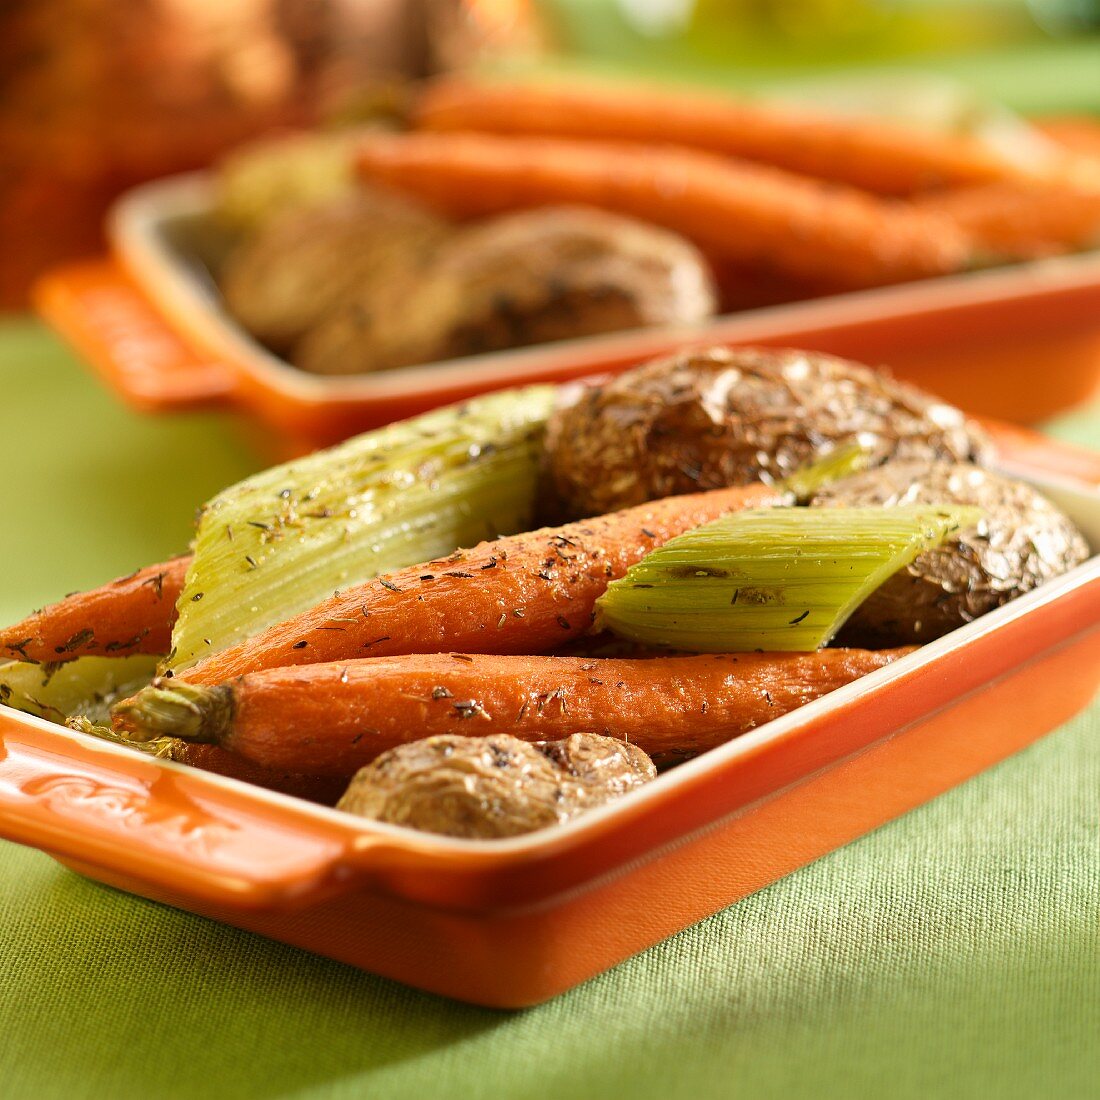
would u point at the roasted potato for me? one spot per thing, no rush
(298, 267)
(1023, 541)
(397, 324)
(525, 278)
(708, 418)
(494, 786)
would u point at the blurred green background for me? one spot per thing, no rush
(1003, 49)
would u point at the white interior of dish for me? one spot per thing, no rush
(158, 230)
(1081, 504)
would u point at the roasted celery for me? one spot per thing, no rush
(843, 461)
(770, 579)
(165, 748)
(264, 179)
(281, 541)
(86, 687)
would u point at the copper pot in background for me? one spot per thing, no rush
(98, 95)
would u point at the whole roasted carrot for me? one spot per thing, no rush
(520, 594)
(747, 213)
(133, 614)
(331, 719)
(876, 155)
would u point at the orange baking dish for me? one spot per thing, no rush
(514, 922)
(1018, 343)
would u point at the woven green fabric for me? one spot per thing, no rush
(955, 952)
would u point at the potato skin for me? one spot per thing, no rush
(393, 325)
(566, 271)
(1023, 541)
(526, 278)
(297, 268)
(713, 417)
(494, 786)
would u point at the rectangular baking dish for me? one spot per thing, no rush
(515, 922)
(1018, 343)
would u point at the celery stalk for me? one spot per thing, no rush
(285, 539)
(843, 461)
(87, 687)
(770, 579)
(164, 748)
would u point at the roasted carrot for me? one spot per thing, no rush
(876, 155)
(1022, 221)
(746, 286)
(520, 594)
(747, 213)
(331, 719)
(213, 758)
(133, 614)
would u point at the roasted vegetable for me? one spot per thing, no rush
(527, 278)
(518, 594)
(213, 758)
(265, 178)
(1024, 221)
(705, 418)
(132, 614)
(79, 694)
(870, 153)
(495, 786)
(750, 214)
(331, 719)
(86, 686)
(771, 579)
(1021, 541)
(843, 460)
(286, 538)
(297, 268)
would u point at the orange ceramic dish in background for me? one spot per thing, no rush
(1018, 343)
(514, 922)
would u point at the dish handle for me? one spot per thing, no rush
(158, 829)
(106, 317)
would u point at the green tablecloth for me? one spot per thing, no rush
(955, 952)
